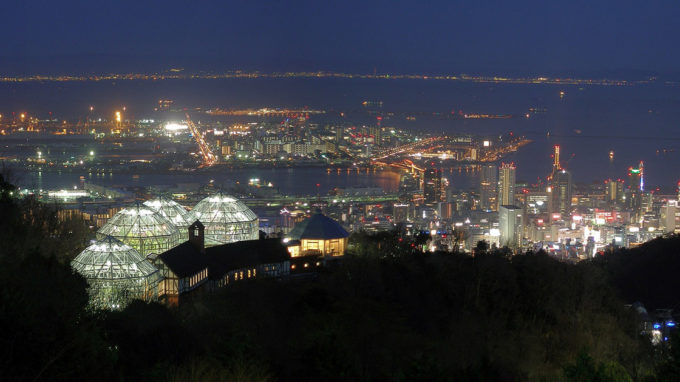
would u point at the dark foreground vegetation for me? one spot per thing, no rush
(405, 316)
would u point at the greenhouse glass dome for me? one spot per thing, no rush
(174, 212)
(226, 220)
(116, 274)
(143, 229)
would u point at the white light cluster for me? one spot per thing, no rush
(174, 126)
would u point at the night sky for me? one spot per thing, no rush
(510, 37)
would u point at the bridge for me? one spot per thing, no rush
(409, 148)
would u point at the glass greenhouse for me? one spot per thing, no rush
(143, 229)
(226, 220)
(174, 212)
(116, 274)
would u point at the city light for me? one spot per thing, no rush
(174, 126)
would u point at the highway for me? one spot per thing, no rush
(207, 155)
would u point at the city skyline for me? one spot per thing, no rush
(329, 191)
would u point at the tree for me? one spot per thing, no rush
(482, 247)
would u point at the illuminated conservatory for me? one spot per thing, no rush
(174, 212)
(143, 229)
(116, 274)
(226, 220)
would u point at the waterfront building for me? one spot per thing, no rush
(116, 274)
(506, 184)
(432, 186)
(488, 187)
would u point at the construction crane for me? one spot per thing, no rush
(207, 155)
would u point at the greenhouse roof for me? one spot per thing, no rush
(170, 209)
(111, 259)
(138, 221)
(221, 208)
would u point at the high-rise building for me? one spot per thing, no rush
(446, 210)
(556, 159)
(670, 217)
(510, 221)
(506, 184)
(400, 213)
(339, 136)
(562, 191)
(488, 187)
(614, 191)
(432, 186)
(537, 202)
(635, 178)
(635, 188)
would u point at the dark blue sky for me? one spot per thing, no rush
(508, 37)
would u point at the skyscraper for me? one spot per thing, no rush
(511, 226)
(562, 191)
(670, 216)
(556, 159)
(614, 190)
(506, 184)
(432, 186)
(635, 187)
(488, 187)
(634, 178)
(339, 135)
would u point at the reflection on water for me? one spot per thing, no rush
(294, 181)
(291, 181)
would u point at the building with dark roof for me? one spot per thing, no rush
(247, 259)
(318, 235)
(191, 266)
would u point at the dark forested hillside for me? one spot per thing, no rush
(648, 273)
(406, 317)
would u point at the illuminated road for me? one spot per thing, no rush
(209, 158)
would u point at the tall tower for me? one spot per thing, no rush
(556, 159)
(378, 132)
(432, 186)
(614, 191)
(506, 184)
(562, 191)
(634, 179)
(510, 223)
(339, 132)
(488, 186)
